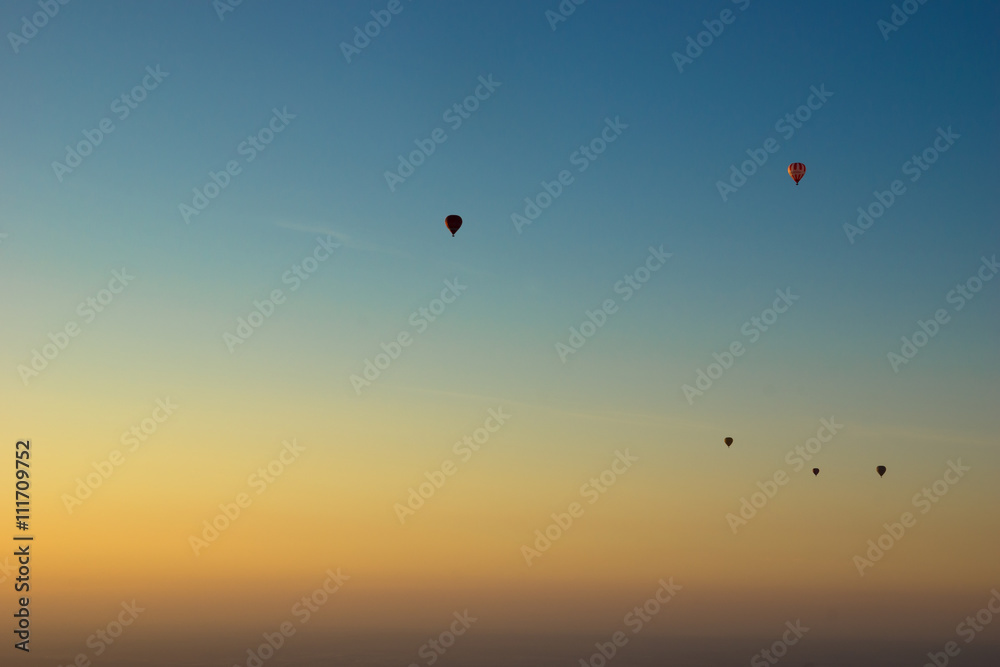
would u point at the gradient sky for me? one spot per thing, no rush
(495, 346)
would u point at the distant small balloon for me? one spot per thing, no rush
(815, 471)
(728, 441)
(453, 222)
(796, 170)
(881, 470)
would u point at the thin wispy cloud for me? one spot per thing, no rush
(617, 416)
(345, 240)
(354, 243)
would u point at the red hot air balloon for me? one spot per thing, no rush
(796, 170)
(453, 222)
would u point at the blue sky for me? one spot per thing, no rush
(655, 185)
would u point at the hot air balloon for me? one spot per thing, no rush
(881, 470)
(728, 441)
(815, 471)
(796, 170)
(453, 222)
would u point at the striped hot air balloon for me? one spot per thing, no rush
(796, 170)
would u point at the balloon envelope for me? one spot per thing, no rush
(815, 471)
(881, 470)
(728, 441)
(796, 170)
(453, 222)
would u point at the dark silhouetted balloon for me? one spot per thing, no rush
(881, 470)
(453, 222)
(815, 471)
(796, 170)
(728, 441)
